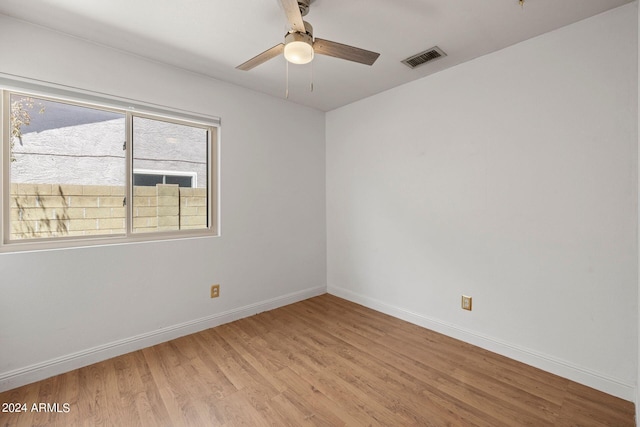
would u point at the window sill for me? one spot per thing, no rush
(17, 246)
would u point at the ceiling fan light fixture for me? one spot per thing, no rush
(298, 48)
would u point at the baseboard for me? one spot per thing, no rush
(19, 377)
(545, 362)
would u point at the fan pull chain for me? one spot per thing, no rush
(287, 90)
(311, 76)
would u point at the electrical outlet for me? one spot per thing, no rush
(466, 302)
(215, 291)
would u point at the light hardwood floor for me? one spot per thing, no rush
(323, 361)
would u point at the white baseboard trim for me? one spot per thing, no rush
(46, 369)
(554, 365)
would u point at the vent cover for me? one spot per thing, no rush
(424, 57)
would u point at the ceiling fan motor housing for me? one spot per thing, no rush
(303, 5)
(306, 37)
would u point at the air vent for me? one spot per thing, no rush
(424, 57)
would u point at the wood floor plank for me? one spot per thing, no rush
(313, 372)
(317, 401)
(321, 362)
(149, 400)
(288, 412)
(168, 401)
(238, 411)
(260, 365)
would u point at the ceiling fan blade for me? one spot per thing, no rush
(294, 16)
(343, 51)
(263, 57)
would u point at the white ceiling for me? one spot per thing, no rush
(212, 37)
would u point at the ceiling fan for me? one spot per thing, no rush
(300, 46)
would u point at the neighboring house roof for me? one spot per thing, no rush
(92, 153)
(60, 115)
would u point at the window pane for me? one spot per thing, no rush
(180, 152)
(146, 180)
(182, 181)
(67, 169)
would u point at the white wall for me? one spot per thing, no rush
(64, 308)
(511, 178)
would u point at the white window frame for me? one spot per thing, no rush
(130, 109)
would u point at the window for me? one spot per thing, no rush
(151, 178)
(74, 171)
